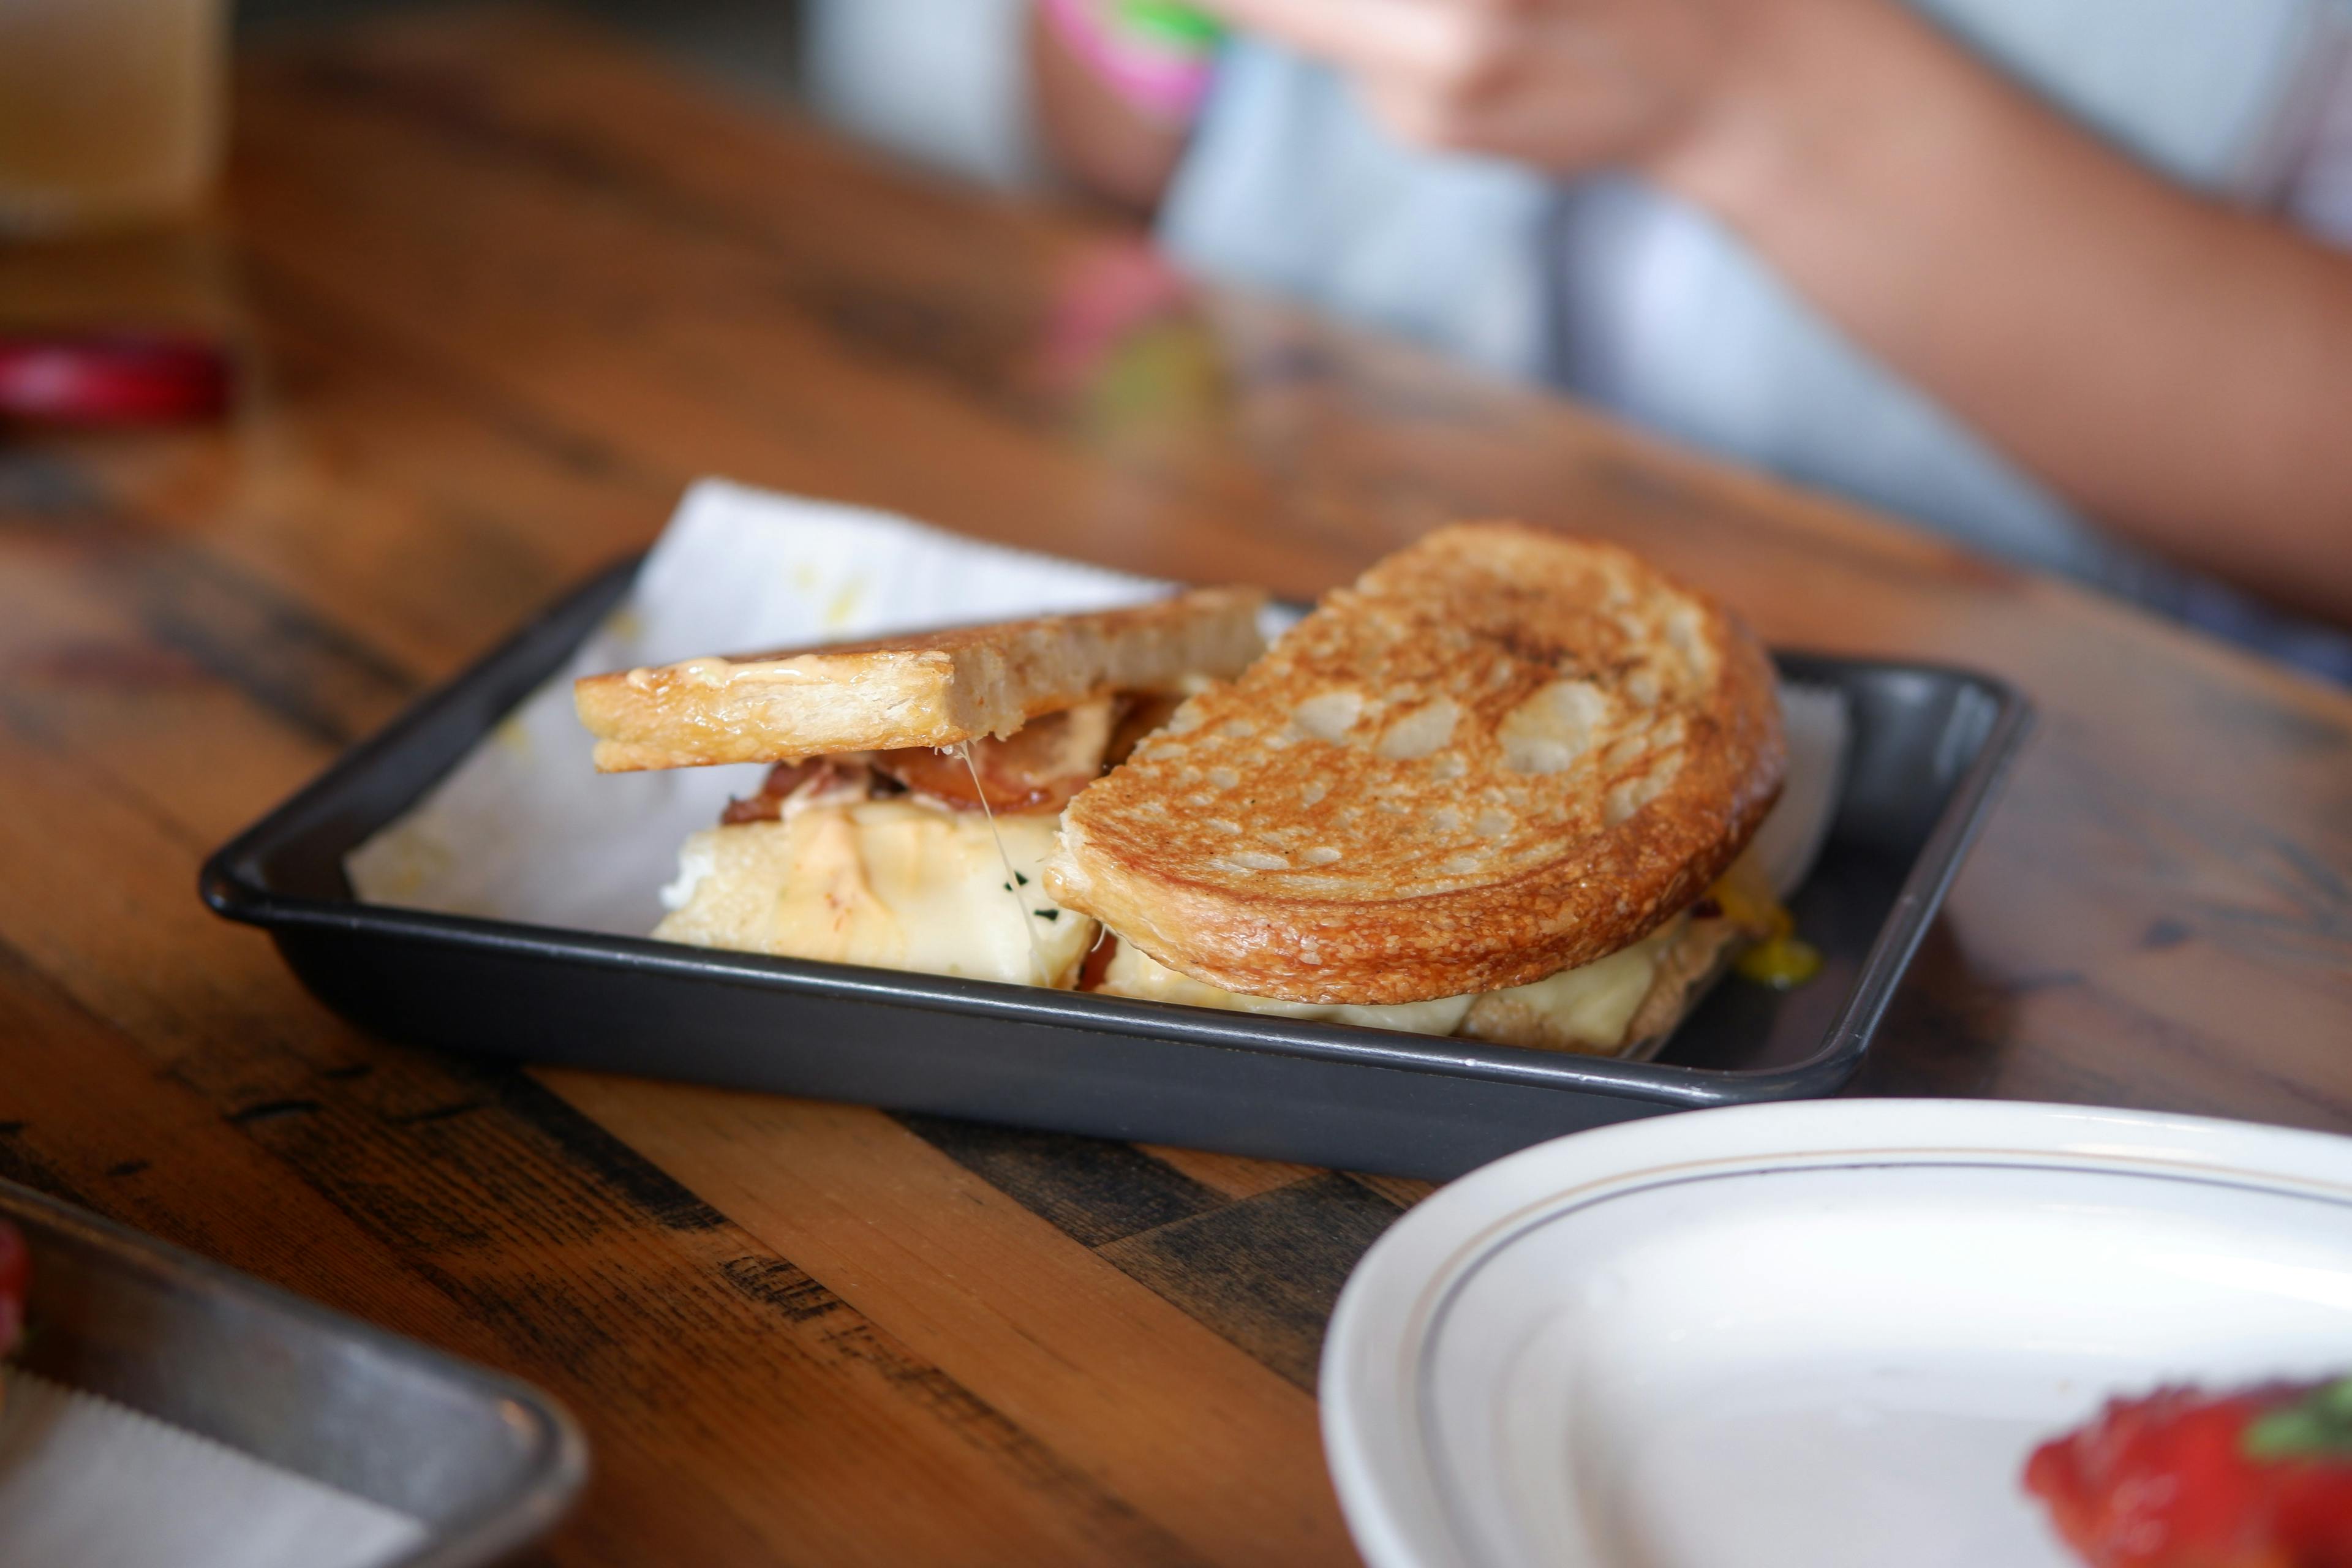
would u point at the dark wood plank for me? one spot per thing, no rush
(1265, 1271)
(1261, 1269)
(1091, 1190)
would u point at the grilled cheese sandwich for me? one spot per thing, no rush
(1495, 790)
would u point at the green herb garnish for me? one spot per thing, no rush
(2316, 1427)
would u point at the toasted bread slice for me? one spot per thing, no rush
(929, 688)
(1500, 754)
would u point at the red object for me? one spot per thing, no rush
(127, 378)
(15, 1265)
(2171, 1481)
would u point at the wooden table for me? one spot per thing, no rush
(503, 287)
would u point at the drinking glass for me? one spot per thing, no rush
(111, 112)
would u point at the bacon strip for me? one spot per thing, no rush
(834, 780)
(1038, 768)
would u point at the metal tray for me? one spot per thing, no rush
(485, 1463)
(1928, 749)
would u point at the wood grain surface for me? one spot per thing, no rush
(500, 288)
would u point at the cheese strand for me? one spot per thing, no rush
(1020, 905)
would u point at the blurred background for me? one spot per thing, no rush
(937, 80)
(2087, 360)
(111, 109)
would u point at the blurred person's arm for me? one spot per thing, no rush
(1091, 133)
(2178, 368)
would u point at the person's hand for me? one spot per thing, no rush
(1565, 85)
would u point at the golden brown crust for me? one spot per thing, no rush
(930, 688)
(1501, 753)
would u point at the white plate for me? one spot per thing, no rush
(1811, 1335)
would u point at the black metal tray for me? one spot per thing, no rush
(484, 1463)
(1928, 747)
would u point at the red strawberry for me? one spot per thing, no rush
(2258, 1478)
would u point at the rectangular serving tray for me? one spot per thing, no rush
(1929, 748)
(484, 1463)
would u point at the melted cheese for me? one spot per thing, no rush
(890, 883)
(1134, 972)
(1593, 1004)
(897, 884)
